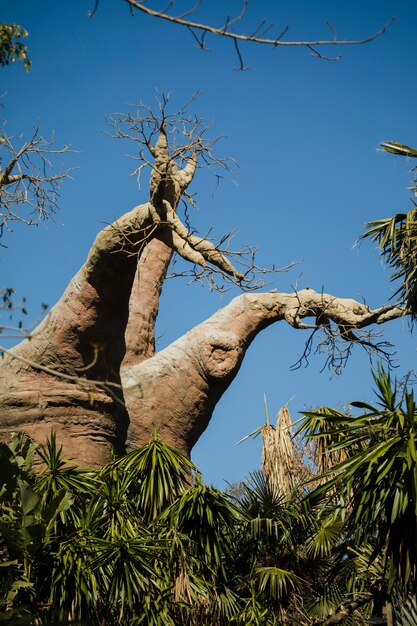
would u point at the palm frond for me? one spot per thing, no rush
(377, 485)
(406, 611)
(161, 473)
(327, 535)
(396, 238)
(394, 147)
(401, 149)
(277, 582)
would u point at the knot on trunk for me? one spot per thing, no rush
(220, 354)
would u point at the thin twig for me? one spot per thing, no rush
(222, 32)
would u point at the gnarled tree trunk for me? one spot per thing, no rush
(90, 370)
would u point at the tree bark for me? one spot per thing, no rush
(174, 391)
(81, 340)
(90, 371)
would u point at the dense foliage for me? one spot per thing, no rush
(11, 46)
(141, 541)
(396, 237)
(144, 541)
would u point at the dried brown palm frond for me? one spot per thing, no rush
(182, 589)
(327, 455)
(278, 457)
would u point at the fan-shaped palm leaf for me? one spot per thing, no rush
(379, 482)
(160, 472)
(396, 238)
(277, 582)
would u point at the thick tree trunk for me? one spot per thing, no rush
(90, 371)
(82, 339)
(174, 391)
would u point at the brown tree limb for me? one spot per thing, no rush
(177, 389)
(144, 302)
(28, 188)
(196, 249)
(224, 31)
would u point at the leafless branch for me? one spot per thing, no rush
(185, 133)
(256, 34)
(242, 67)
(174, 146)
(336, 336)
(192, 10)
(319, 55)
(221, 281)
(92, 11)
(9, 308)
(332, 28)
(28, 188)
(337, 347)
(200, 41)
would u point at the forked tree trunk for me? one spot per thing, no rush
(90, 370)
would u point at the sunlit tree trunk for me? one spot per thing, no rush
(90, 370)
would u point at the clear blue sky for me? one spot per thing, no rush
(305, 134)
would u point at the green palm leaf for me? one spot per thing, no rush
(377, 485)
(277, 582)
(161, 473)
(396, 238)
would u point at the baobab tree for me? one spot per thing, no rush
(90, 369)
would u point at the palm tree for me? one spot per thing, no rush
(139, 542)
(143, 541)
(374, 489)
(300, 542)
(28, 525)
(397, 238)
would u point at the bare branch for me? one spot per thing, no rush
(9, 308)
(282, 33)
(224, 31)
(185, 134)
(92, 11)
(178, 146)
(332, 28)
(28, 189)
(337, 347)
(340, 321)
(200, 40)
(242, 66)
(192, 10)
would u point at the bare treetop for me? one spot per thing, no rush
(174, 146)
(185, 137)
